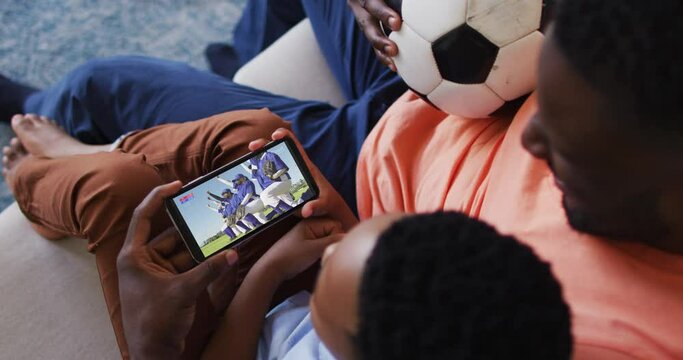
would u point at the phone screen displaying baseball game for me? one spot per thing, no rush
(230, 204)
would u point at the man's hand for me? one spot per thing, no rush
(300, 248)
(368, 14)
(329, 202)
(157, 288)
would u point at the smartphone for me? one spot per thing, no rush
(230, 205)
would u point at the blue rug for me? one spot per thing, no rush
(42, 40)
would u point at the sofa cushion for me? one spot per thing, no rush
(52, 303)
(293, 66)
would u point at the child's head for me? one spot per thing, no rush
(438, 286)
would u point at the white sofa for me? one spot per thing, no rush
(51, 304)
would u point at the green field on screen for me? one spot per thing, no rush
(224, 240)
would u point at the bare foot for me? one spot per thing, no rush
(41, 136)
(12, 156)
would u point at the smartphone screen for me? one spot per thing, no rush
(236, 201)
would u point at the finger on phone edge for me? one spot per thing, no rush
(182, 261)
(165, 242)
(281, 133)
(313, 208)
(257, 144)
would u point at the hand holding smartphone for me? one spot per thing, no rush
(233, 203)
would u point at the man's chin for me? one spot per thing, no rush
(581, 221)
(626, 228)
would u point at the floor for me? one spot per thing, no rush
(42, 40)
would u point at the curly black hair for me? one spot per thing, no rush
(445, 286)
(630, 51)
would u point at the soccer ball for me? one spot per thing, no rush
(469, 57)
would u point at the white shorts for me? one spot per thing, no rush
(271, 195)
(254, 206)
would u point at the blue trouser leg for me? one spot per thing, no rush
(242, 225)
(343, 44)
(262, 22)
(229, 232)
(349, 53)
(252, 219)
(273, 213)
(283, 206)
(105, 98)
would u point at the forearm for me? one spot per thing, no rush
(238, 334)
(155, 352)
(279, 173)
(218, 198)
(226, 182)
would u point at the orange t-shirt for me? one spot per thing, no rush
(626, 298)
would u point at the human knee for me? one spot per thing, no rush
(126, 176)
(251, 125)
(87, 76)
(112, 190)
(234, 131)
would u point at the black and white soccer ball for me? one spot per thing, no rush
(469, 57)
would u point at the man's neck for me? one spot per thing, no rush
(670, 244)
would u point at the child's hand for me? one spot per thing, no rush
(300, 248)
(329, 202)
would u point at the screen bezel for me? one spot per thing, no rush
(184, 230)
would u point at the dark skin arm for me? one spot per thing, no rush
(160, 268)
(368, 14)
(239, 332)
(218, 198)
(299, 249)
(279, 173)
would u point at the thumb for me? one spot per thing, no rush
(320, 227)
(193, 282)
(319, 245)
(323, 243)
(334, 238)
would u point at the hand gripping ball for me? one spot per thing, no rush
(469, 57)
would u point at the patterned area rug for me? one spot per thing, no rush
(42, 40)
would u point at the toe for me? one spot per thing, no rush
(17, 119)
(21, 123)
(33, 117)
(17, 146)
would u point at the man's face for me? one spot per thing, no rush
(334, 304)
(604, 171)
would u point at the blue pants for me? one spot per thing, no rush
(263, 22)
(229, 232)
(253, 220)
(106, 98)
